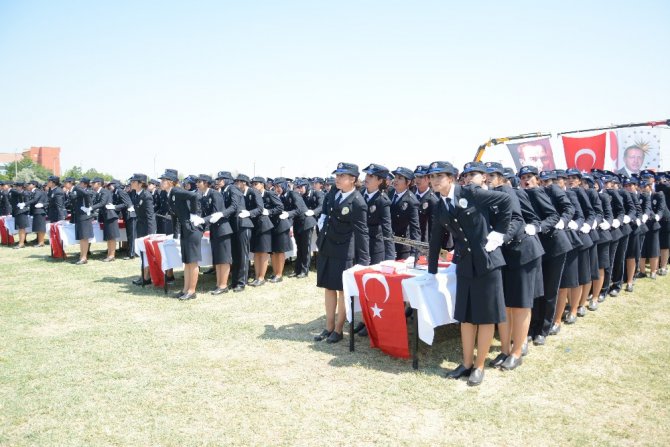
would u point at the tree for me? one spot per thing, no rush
(38, 171)
(75, 172)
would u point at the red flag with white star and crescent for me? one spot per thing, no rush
(383, 310)
(585, 153)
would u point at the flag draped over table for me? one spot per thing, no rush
(55, 242)
(384, 310)
(585, 153)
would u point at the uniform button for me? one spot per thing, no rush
(455, 220)
(469, 249)
(465, 239)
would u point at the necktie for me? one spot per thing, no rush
(395, 199)
(338, 197)
(418, 196)
(450, 207)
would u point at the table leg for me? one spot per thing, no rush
(351, 327)
(415, 325)
(142, 269)
(165, 286)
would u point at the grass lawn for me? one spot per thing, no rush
(86, 358)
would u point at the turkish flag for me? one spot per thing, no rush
(55, 242)
(384, 310)
(153, 254)
(585, 153)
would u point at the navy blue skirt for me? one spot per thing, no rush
(480, 300)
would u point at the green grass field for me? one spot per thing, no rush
(88, 359)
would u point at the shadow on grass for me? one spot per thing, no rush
(446, 346)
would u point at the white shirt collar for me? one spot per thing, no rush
(421, 194)
(450, 196)
(398, 195)
(346, 194)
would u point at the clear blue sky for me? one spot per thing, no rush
(209, 85)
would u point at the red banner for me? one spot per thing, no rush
(56, 242)
(384, 311)
(153, 254)
(585, 153)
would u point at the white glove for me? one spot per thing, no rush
(586, 228)
(637, 222)
(39, 205)
(244, 214)
(626, 219)
(572, 225)
(309, 213)
(645, 218)
(109, 206)
(616, 223)
(196, 220)
(131, 209)
(604, 225)
(214, 218)
(86, 210)
(530, 230)
(658, 218)
(283, 215)
(21, 205)
(494, 240)
(560, 225)
(322, 220)
(266, 212)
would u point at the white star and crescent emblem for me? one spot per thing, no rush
(378, 277)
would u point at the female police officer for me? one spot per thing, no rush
(343, 239)
(465, 211)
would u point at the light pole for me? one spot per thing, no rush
(281, 171)
(155, 173)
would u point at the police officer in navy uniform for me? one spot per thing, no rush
(218, 216)
(427, 201)
(242, 227)
(107, 216)
(56, 209)
(404, 211)
(343, 241)
(184, 204)
(465, 211)
(522, 274)
(38, 202)
(663, 185)
(380, 232)
(303, 228)
(651, 249)
(5, 206)
(123, 204)
(143, 200)
(18, 197)
(81, 197)
(281, 239)
(261, 241)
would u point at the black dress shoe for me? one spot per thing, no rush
(555, 329)
(323, 335)
(276, 279)
(581, 311)
(572, 319)
(334, 337)
(496, 362)
(460, 371)
(614, 292)
(257, 283)
(209, 271)
(169, 279)
(301, 275)
(293, 275)
(477, 376)
(641, 275)
(593, 305)
(219, 291)
(539, 340)
(109, 259)
(602, 297)
(80, 262)
(524, 349)
(359, 327)
(141, 281)
(188, 296)
(178, 294)
(629, 287)
(511, 363)
(363, 332)
(238, 289)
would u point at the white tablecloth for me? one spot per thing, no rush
(10, 224)
(67, 234)
(433, 298)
